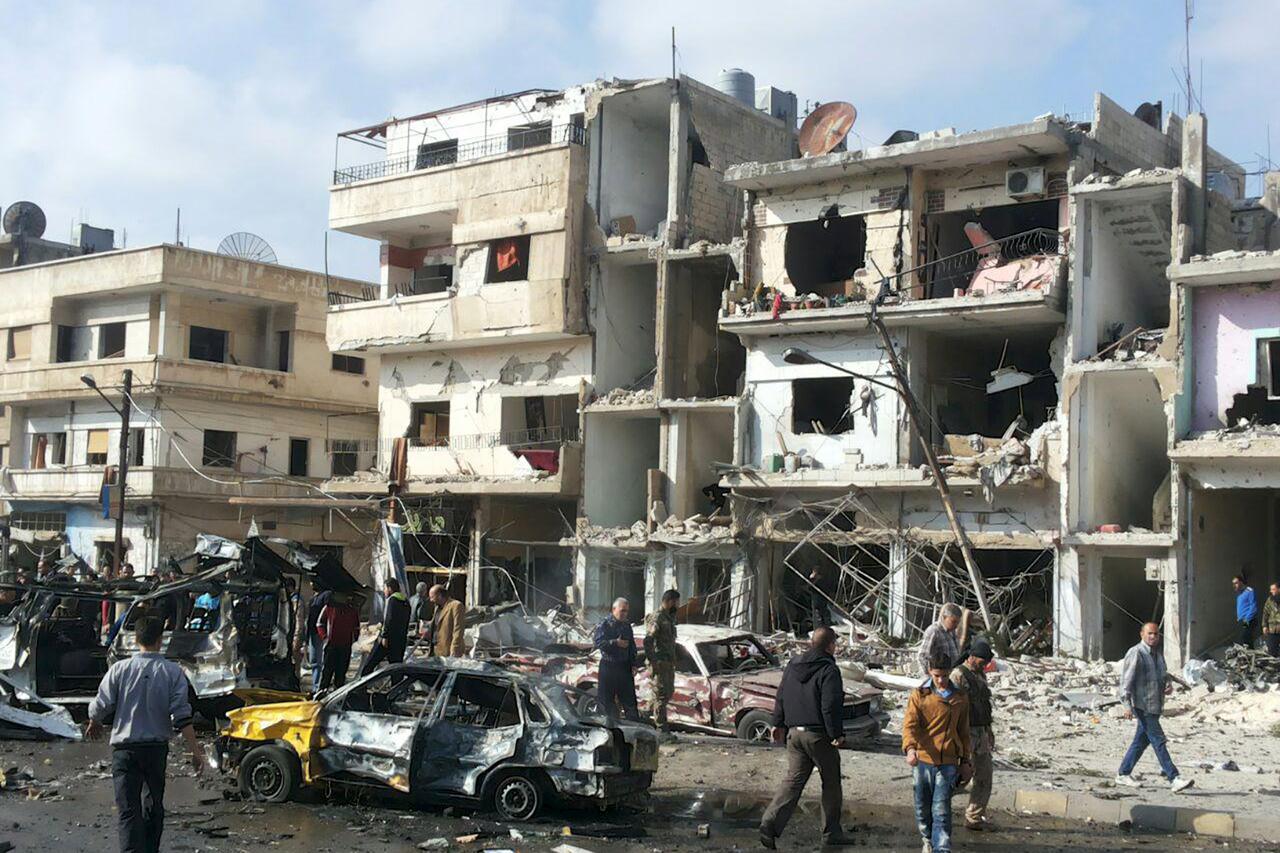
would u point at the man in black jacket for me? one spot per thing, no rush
(394, 635)
(806, 714)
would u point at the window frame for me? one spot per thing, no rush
(88, 442)
(102, 340)
(209, 460)
(336, 359)
(191, 344)
(492, 275)
(11, 339)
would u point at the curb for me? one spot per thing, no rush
(1145, 815)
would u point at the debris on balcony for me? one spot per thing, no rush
(997, 274)
(1137, 345)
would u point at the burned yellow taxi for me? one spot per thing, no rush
(442, 731)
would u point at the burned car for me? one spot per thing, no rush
(228, 614)
(442, 731)
(725, 684)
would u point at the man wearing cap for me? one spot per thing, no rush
(971, 677)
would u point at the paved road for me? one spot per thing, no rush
(76, 814)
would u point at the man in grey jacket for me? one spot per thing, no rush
(145, 699)
(940, 639)
(1143, 686)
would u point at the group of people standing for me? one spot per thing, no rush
(332, 627)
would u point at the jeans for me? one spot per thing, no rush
(138, 774)
(934, 784)
(1148, 732)
(1245, 631)
(983, 772)
(805, 751)
(617, 692)
(315, 657)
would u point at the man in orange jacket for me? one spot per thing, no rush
(935, 737)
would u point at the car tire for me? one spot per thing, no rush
(589, 704)
(269, 774)
(754, 727)
(518, 796)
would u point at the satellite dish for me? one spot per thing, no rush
(1149, 113)
(826, 127)
(24, 219)
(248, 247)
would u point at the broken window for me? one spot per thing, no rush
(111, 340)
(299, 451)
(344, 458)
(96, 447)
(283, 340)
(440, 153)
(430, 424)
(532, 707)
(821, 406)
(432, 278)
(347, 364)
(219, 449)
(735, 655)
(482, 702)
(685, 664)
(528, 135)
(48, 448)
(508, 260)
(65, 347)
(19, 348)
(820, 255)
(396, 694)
(137, 446)
(208, 344)
(1269, 357)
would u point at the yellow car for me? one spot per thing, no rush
(442, 731)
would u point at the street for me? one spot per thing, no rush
(75, 812)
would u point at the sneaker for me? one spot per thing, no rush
(926, 848)
(1127, 780)
(767, 839)
(1179, 784)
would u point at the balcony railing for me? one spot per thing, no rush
(430, 156)
(520, 438)
(373, 293)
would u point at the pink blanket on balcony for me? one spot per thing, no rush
(992, 276)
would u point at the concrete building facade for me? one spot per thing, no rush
(239, 410)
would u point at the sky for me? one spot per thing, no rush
(119, 114)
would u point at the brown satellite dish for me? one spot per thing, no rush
(826, 127)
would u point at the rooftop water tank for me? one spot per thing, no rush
(739, 85)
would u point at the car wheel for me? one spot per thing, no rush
(269, 774)
(517, 796)
(754, 727)
(589, 704)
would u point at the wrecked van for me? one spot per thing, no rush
(726, 681)
(442, 731)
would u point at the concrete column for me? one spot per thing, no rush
(899, 581)
(740, 592)
(677, 168)
(479, 527)
(1195, 170)
(1173, 571)
(1078, 604)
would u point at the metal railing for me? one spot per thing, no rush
(368, 293)
(427, 157)
(373, 293)
(956, 270)
(519, 439)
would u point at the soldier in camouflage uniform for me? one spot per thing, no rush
(660, 649)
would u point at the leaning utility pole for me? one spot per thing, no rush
(939, 479)
(122, 471)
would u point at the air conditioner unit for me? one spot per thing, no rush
(1019, 183)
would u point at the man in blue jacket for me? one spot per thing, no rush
(1246, 611)
(617, 645)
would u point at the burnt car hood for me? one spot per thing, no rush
(765, 682)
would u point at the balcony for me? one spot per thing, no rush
(448, 155)
(545, 461)
(83, 483)
(1017, 280)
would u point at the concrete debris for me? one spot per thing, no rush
(25, 716)
(518, 630)
(626, 397)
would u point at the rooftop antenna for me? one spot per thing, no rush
(673, 53)
(177, 229)
(1190, 8)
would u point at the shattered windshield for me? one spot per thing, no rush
(735, 655)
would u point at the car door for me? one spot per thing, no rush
(691, 694)
(477, 725)
(369, 730)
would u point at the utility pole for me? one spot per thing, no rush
(122, 469)
(939, 479)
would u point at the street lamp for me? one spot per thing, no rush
(123, 467)
(794, 355)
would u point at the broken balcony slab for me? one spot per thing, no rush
(828, 479)
(1025, 308)
(1232, 267)
(1140, 540)
(1043, 136)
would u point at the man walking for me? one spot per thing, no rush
(971, 677)
(1246, 611)
(940, 640)
(1143, 686)
(660, 650)
(339, 628)
(807, 717)
(311, 636)
(617, 645)
(419, 609)
(935, 738)
(145, 697)
(1271, 621)
(394, 635)
(446, 624)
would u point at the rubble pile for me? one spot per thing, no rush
(1247, 668)
(698, 527)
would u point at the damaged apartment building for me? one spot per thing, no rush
(238, 410)
(1036, 284)
(554, 388)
